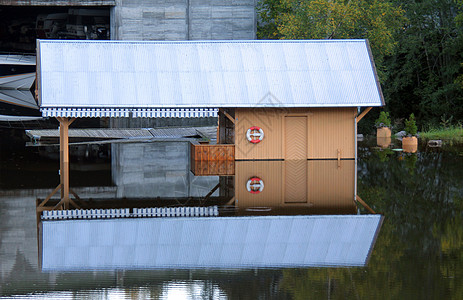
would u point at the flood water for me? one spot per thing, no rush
(417, 253)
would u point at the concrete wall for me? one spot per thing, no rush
(18, 235)
(158, 169)
(183, 20)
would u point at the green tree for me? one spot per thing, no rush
(422, 74)
(332, 19)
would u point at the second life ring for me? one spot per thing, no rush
(255, 134)
(255, 185)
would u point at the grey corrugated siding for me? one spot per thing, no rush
(234, 242)
(147, 75)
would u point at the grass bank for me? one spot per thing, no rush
(451, 133)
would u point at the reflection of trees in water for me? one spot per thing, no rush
(421, 197)
(417, 191)
(419, 251)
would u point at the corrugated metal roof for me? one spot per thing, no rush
(125, 133)
(146, 75)
(18, 97)
(230, 242)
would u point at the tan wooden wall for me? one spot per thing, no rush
(270, 120)
(326, 184)
(328, 130)
(331, 129)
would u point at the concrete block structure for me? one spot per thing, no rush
(183, 20)
(160, 169)
(133, 19)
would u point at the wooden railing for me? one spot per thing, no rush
(208, 159)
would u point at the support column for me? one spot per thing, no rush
(64, 159)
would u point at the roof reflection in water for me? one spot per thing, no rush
(306, 218)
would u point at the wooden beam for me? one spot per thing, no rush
(231, 202)
(49, 196)
(221, 110)
(212, 191)
(363, 113)
(364, 204)
(74, 204)
(75, 194)
(59, 205)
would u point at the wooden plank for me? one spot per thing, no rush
(204, 153)
(212, 191)
(364, 204)
(203, 168)
(214, 168)
(231, 153)
(229, 117)
(226, 114)
(363, 113)
(212, 159)
(51, 195)
(214, 153)
(66, 163)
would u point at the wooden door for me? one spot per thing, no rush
(295, 159)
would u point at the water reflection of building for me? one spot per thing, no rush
(300, 186)
(274, 104)
(208, 242)
(156, 169)
(311, 224)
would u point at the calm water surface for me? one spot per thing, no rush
(418, 253)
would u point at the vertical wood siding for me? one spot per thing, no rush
(270, 121)
(330, 186)
(332, 129)
(328, 130)
(271, 174)
(327, 186)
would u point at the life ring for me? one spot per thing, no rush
(253, 136)
(255, 185)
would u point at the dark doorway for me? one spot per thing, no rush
(20, 26)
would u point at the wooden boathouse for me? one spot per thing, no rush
(275, 100)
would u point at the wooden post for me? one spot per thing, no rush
(64, 159)
(65, 200)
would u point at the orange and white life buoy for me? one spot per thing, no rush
(255, 134)
(255, 185)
